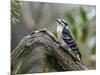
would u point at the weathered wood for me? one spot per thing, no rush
(26, 54)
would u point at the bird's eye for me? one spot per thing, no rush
(65, 22)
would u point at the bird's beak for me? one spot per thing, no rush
(59, 21)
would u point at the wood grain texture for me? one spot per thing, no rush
(30, 56)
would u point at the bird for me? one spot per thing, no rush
(66, 37)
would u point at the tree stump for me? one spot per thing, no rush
(40, 51)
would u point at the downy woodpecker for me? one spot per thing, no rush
(66, 38)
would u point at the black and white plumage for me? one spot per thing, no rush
(66, 38)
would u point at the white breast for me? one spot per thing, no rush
(59, 34)
(59, 31)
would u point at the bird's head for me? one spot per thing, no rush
(62, 22)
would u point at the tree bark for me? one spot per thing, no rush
(24, 55)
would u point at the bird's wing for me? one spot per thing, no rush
(68, 39)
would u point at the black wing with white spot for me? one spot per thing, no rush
(68, 39)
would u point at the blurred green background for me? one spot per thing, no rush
(29, 16)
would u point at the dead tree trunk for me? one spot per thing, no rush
(38, 50)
